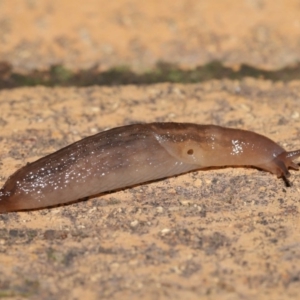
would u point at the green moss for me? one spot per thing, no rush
(7, 293)
(26, 290)
(121, 75)
(60, 74)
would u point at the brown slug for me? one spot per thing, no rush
(133, 154)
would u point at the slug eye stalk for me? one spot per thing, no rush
(285, 161)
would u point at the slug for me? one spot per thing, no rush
(133, 154)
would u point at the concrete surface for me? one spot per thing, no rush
(229, 233)
(35, 34)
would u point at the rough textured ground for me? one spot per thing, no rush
(230, 233)
(103, 34)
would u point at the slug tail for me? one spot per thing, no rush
(5, 202)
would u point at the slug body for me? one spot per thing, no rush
(134, 154)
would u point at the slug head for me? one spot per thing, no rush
(281, 163)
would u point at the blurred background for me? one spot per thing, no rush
(95, 41)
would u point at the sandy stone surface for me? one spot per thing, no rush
(229, 233)
(36, 34)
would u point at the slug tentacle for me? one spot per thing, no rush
(290, 156)
(134, 154)
(280, 164)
